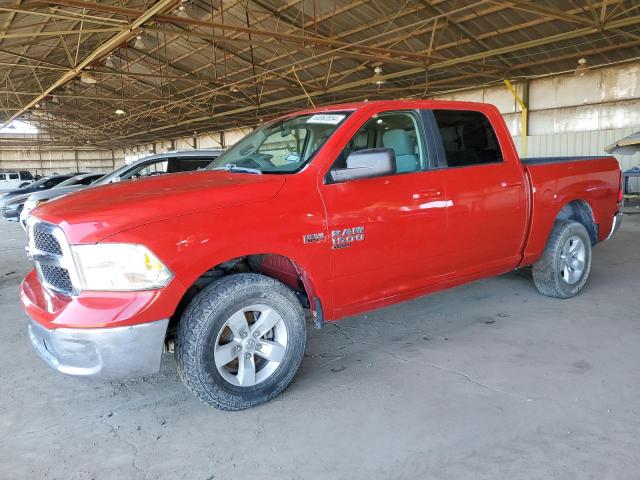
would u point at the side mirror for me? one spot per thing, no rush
(373, 162)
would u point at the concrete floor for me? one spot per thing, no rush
(489, 380)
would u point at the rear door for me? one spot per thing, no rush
(486, 189)
(386, 232)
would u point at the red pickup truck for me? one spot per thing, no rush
(338, 209)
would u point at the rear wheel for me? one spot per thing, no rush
(564, 267)
(240, 341)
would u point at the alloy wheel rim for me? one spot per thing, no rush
(250, 345)
(572, 260)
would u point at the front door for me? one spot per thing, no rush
(386, 232)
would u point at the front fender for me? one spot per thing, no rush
(192, 244)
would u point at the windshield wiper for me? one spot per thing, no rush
(232, 167)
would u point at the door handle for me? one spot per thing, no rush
(427, 194)
(511, 184)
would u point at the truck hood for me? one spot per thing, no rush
(93, 214)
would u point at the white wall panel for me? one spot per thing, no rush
(578, 143)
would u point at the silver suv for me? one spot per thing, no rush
(159, 164)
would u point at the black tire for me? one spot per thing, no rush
(205, 317)
(548, 271)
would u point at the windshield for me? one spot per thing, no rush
(281, 146)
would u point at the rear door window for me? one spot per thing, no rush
(188, 164)
(467, 137)
(87, 180)
(14, 176)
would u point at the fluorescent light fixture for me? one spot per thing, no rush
(88, 78)
(139, 43)
(377, 78)
(582, 67)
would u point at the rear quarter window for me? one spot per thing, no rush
(467, 138)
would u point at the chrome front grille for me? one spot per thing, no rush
(51, 254)
(57, 277)
(46, 242)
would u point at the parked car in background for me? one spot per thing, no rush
(12, 203)
(8, 205)
(338, 209)
(169, 162)
(19, 203)
(161, 163)
(13, 180)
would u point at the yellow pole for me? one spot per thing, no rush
(525, 115)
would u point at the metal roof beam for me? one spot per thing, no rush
(124, 35)
(406, 73)
(530, 7)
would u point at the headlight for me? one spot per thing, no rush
(31, 204)
(119, 266)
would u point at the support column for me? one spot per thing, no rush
(523, 101)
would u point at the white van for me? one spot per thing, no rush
(13, 180)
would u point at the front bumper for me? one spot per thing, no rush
(615, 226)
(99, 334)
(119, 352)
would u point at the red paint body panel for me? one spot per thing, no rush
(555, 185)
(97, 309)
(424, 231)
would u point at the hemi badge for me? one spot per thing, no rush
(313, 237)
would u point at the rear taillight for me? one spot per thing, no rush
(621, 190)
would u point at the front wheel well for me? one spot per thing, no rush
(581, 212)
(275, 266)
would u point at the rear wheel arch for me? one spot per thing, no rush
(580, 211)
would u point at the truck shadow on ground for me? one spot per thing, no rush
(363, 341)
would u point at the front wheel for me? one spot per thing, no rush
(240, 341)
(564, 267)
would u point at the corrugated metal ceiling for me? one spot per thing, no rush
(202, 65)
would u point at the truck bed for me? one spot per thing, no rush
(543, 160)
(559, 181)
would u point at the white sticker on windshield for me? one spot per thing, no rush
(292, 158)
(325, 118)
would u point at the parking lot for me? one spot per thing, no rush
(488, 380)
